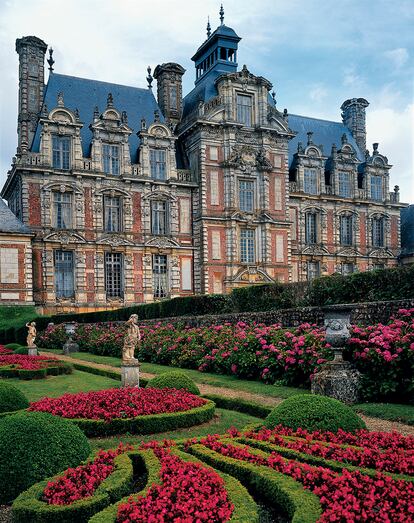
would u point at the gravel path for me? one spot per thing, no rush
(374, 424)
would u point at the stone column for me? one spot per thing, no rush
(130, 374)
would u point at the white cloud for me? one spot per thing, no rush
(318, 93)
(397, 57)
(351, 78)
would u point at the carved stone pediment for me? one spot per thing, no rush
(315, 250)
(252, 274)
(348, 251)
(114, 241)
(246, 158)
(162, 242)
(381, 253)
(64, 237)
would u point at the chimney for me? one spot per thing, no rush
(169, 91)
(31, 51)
(353, 116)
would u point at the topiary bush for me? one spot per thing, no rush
(11, 398)
(35, 445)
(174, 380)
(21, 350)
(313, 412)
(13, 346)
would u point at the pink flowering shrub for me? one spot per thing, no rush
(54, 337)
(189, 493)
(4, 351)
(118, 403)
(22, 361)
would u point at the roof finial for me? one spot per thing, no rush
(221, 15)
(208, 27)
(96, 114)
(60, 101)
(50, 60)
(149, 78)
(156, 115)
(274, 97)
(310, 133)
(110, 100)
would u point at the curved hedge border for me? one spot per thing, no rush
(28, 507)
(32, 374)
(301, 506)
(149, 424)
(245, 508)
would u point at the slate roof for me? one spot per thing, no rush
(10, 223)
(325, 133)
(407, 230)
(85, 94)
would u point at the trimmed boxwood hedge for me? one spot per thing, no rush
(29, 507)
(34, 445)
(11, 398)
(240, 405)
(280, 491)
(36, 374)
(313, 412)
(174, 379)
(149, 424)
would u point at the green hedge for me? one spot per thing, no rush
(29, 507)
(35, 374)
(279, 491)
(149, 424)
(11, 398)
(239, 405)
(174, 379)
(146, 462)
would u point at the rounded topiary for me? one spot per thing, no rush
(11, 398)
(21, 350)
(34, 446)
(173, 380)
(313, 412)
(13, 346)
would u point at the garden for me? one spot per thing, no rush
(222, 429)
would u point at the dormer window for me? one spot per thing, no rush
(311, 184)
(244, 109)
(110, 158)
(376, 187)
(61, 152)
(158, 164)
(344, 185)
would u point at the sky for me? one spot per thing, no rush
(316, 53)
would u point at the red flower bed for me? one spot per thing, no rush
(81, 482)
(345, 497)
(3, 350)
(22, 361)
(118, 403)
(390, 460)
(189, 493)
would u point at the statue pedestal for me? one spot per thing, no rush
(70, 346)
(130, 374)
(339, 380)
(32, 351)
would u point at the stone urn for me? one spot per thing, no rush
(337, 378)
(70, 346)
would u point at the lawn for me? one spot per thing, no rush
(223, 420)
(388, 411)
(215, 380)
(57, 385)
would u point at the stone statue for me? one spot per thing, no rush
(31, 335)
(131, 340)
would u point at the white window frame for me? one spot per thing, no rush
(247, 246)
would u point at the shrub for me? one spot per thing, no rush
(174, 380)
(13, 346)
(21, 350)
(11, 398)
(313, 412)
(34, 446)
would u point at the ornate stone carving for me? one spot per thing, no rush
(131, 340)
(114, 240)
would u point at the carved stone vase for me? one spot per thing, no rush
(70, 346)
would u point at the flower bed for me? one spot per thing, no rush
(131, 409)
(31, 367)
(4, 350)
(383, 353)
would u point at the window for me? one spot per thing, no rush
(348, 268)
(64, 281)
(378, 266)
(247, 250)
(244, 109)
(344, 185)
(346, 226)
(311, 184)
(246, 195)
(113, 275)
(159, 217)
(313, 270)
(110, 158)
(62, 210)
(311, 232)
(213, 153)
(158, 164)
(173, 97)
(160, 275)
(378, 232)
(61, 152)
(376, 187)
(15, 203)
(112, 213)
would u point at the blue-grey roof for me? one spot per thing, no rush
(9, 221)
(325, 133)
(202, 92)
(85, 94)
(407, 230)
